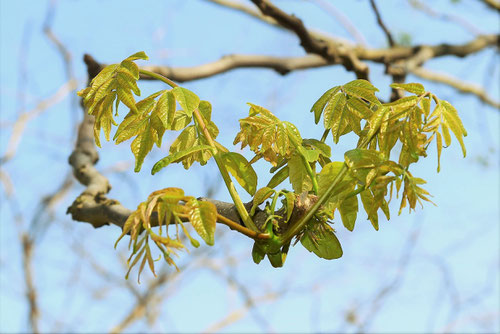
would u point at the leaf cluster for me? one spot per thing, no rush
(167, 206)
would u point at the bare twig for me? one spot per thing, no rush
(342, 19)
(459, 85)
(381, 24)
(20, 124)
(31, 295)
(419, 5)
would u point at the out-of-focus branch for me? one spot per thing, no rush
(421, 6)
(282, 65)
(342, 20)
(381, 24)
(414, 56)
(493, 4)
(310, 43)
(31, 295)
(23, 119)
(459, 85)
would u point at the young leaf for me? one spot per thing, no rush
(141, 146)
(348, 209)
(320, 239)
(279, 177)
(370, 207)
(257, 254)
(165, 109)
(188, 100)
(177, 157)
(299, 178)
(203, 216)
(242, 171)
(319, 105)
(260, 196)
(414, 88)
(452, 119)
(361, 89)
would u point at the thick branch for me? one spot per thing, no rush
(283, 65)
(310, 43)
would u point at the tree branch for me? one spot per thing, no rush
(461, 86)
(381, 23)
(310, 43)
(493, 4)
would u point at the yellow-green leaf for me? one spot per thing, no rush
(414, 88)
(279, 177)
(260, 196)
(319, 105)
(141, 146)
(188, 100)
(203, 216)
(138, 55)
(320, 239)
(177, 157)
(241, 169)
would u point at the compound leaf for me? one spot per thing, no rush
(242, 170)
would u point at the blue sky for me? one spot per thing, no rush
(459, 238)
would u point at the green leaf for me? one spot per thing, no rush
(165, 109)
(362, 89)
(299, 178)
(126, 98)
(279, 177)
(138, 55)
(203, 216)
(290, 204)
(414, 88)
(309, 155)
(130, 67)
(181, 120)
(184, 141)
(177, 157)
(370, 207)
(362, 158)
(260, 196)
(455, 124)
(349, 211)
(327, 175)
(320, 239)
(257, 253)
(319, 105)
(141, 146)
(359, 108)
(241, 169)
(188, 100)
(205, 109)
(322, 148)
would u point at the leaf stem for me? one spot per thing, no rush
(159, 77)
(242, 229)
(296, 228)
(242, 211)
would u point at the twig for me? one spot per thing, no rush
(419, 5)
(23, 119)
(342, 19)
(459, 85)
(382, 25)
